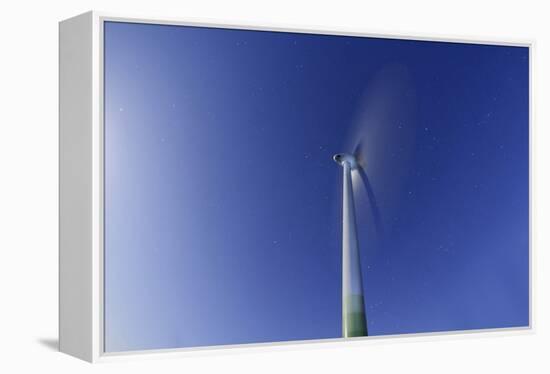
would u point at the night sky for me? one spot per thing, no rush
(223, 203)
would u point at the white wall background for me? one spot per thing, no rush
(28, 188)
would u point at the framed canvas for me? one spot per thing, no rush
(236, 185)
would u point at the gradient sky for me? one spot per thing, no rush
(222, 202)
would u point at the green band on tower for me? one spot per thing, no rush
(354, 319)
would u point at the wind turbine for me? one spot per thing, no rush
(384, 136)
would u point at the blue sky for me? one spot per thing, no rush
(222, 202)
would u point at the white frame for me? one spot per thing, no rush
(81, 328)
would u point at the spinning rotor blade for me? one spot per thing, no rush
(363, 178)
(382, 143)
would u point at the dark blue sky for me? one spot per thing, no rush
(222, 202)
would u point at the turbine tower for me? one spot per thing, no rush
(354, 321)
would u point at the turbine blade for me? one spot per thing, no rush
(359, 153)
(383, 143)
(377, 218)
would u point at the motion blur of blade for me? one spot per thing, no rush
(363, 180)
(383, 141)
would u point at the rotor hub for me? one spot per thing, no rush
(345, 158)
